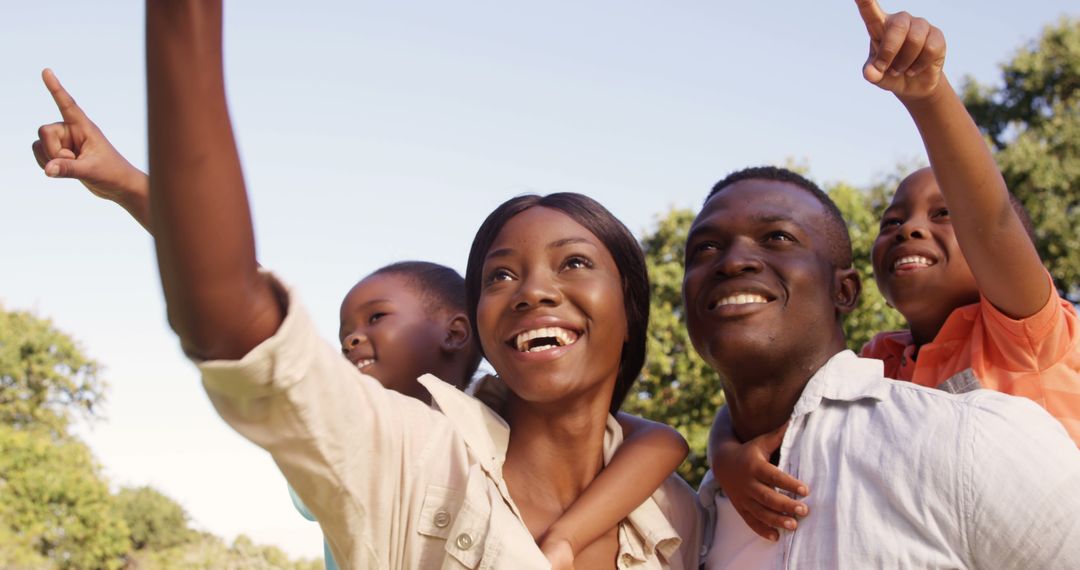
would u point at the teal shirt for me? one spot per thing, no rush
(328, 557)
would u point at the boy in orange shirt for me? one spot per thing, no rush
(955, 256)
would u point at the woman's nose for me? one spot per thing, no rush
(536, 290)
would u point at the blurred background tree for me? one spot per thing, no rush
(56, 510)
(1032, 119)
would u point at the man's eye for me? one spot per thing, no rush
(781, 236)
(942, 213)
(890, 222)
(374, 318)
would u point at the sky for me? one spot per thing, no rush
(373, 132)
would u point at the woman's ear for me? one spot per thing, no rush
(848, 287)
(458, 333)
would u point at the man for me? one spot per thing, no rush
(899, 475)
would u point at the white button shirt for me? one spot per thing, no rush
(902, 476)
(397, 484)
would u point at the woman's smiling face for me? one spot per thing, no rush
(551, 316)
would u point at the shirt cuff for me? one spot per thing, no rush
(275, 364)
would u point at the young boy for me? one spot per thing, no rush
(400, 322)
(955, 257)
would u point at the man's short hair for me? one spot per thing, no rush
(835, 230)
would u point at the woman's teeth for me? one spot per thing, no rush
(741, 299)
(361, 364)
(538, 340)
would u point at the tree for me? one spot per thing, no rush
(861, 210)
(45, 380)
(675, 387)
(1033, 122)
(53, 500)
(155, 521)
(208, 552)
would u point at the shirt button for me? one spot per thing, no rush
(464, 541)
(442, 519)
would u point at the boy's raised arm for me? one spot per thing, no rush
(218, 302)
(906, 57)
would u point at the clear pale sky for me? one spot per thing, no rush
(373, 132)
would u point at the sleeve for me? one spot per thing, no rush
(1033, 343)
(349, 447)
(1020, 486)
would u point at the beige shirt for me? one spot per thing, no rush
(397, 484)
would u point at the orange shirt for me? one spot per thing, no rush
(980, 347)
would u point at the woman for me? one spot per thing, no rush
(560, 306)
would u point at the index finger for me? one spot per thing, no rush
(873, 16)
(69, 110)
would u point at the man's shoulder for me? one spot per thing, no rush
(979, 416)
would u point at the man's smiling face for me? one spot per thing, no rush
(759, 280)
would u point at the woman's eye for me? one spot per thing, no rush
(497, 275)
(890, 222)
(374, 318)
(577, 262)
(942, 213)
(780, 236)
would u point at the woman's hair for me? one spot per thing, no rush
(619, 242)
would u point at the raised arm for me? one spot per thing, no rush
(906, 58)
(218, 302)
(76, 148)
(650, 453)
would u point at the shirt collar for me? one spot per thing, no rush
(649, 534)
(844, 378)
(484, 431)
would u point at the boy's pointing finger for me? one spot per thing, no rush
(873, 16)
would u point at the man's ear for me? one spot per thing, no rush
(458, 333)
(848, 287)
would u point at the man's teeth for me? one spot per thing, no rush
(561, 336)
(741, 299)
(361, 364)
(912, 259)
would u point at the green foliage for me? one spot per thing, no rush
(676, 387)
(156, 522)
(208, 552)
(55, 508)
(1033, 121)
(45, 380)
(861, 209)
(53, 500)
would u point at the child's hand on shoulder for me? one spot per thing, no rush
(559, 552)
(907, 54)
(750, 482)
(76, 148)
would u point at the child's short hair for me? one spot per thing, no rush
(836, 230)
(441, 289)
